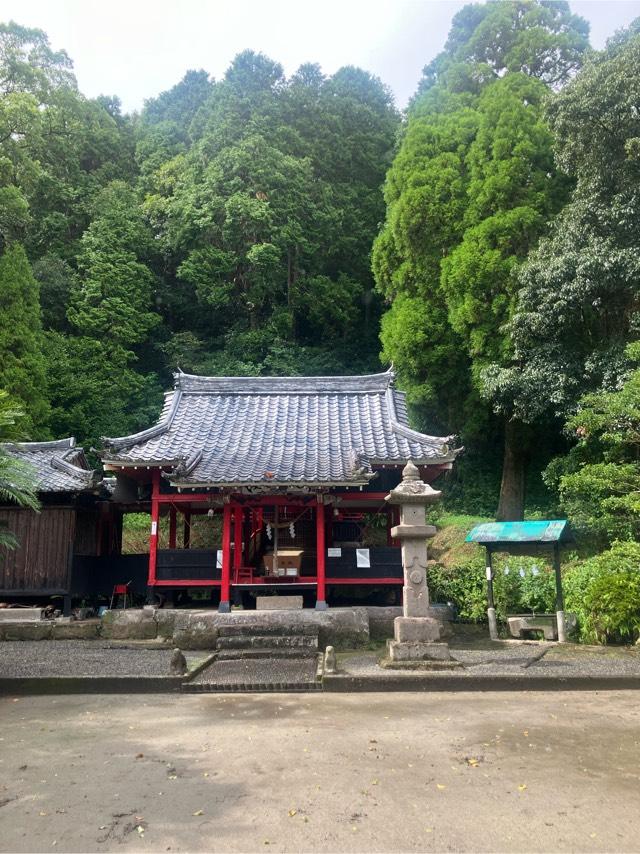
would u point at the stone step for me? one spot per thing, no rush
(266, 628)
(268, 642)
(265, 652)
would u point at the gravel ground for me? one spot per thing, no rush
(264, 671)
(527, 659)
(80, 658)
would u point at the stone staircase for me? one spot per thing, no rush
(261, 657)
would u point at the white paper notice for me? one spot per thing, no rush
(154, 529)
(363, 561)
(219, 559)
(334, 552)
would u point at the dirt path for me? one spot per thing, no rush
(321, 772)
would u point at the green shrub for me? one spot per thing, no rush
(520, 584)
(604, 593)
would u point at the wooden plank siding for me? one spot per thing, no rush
(41, 562)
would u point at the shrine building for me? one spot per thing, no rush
(290, 473)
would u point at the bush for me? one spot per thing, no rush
(604, 593)
(520, 584)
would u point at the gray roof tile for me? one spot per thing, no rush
(60, 466)
(282, 430)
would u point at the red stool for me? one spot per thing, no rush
(120, 590)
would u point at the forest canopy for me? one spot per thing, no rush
(485, 241)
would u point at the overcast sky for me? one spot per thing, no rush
(138, 48)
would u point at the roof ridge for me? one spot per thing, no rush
(440, 442)
(160, 427)
(356, 383)
(54, 445)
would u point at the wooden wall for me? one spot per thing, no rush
(41, 562)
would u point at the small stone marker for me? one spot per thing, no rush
(178, 663)
(416, 635)
(330, 664)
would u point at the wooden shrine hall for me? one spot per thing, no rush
(285, 470)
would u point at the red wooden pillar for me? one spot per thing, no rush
(237, 539)
(321, 551)
(153, 540)
(225, 587)
(186, 533)
(172, 526)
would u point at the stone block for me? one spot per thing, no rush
(76, 630)
(130, 624)
(279, 603)
(196, 630)
(381, 618)
(417, 651)
(165, 619)
(20, 615)
(13, 631)
(414, 629)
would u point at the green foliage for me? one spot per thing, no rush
(22, 367)
(468, 197)
(604, 593)
(578, 305)
(486, 41)
(598, 481)
(521, 584)
(17, 482)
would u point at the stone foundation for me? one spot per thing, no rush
(342, 628)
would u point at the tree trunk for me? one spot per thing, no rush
(514, 467)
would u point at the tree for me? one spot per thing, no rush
(266, 212)
(17, 482)
(22, 366)
(578, 304)
(468, 196)
(598, 481)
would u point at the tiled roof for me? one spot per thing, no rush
(60, 466)
(279, 430)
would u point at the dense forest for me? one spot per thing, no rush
(486, 241)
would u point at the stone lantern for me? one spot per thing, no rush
(416, 634)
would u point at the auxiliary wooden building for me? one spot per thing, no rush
(75, 520)
(287, 470)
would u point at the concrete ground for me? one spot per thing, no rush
(321, 772)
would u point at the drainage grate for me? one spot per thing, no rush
(264, 674)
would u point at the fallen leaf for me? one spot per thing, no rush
(140, 829)
(526, 732)
(198, 812)
(139, 755)
(374, 782)
(440, 786)
(206, 774)
(593, 835)
(522, 787)
(173, 776)
(471, 760)
(428, 830)
(44, 813)
(102, 827)
(292, 813)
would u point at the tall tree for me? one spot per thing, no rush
(22, 365)
(468, 197)
(578, 307)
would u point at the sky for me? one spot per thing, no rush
(136, 49)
